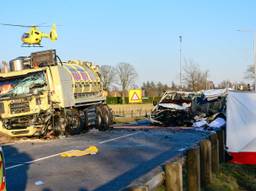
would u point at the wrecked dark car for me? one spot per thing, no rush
(174, 108)
(185, 108)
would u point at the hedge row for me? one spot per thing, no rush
(118, 100)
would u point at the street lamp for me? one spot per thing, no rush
(254, 53)
(180, 38)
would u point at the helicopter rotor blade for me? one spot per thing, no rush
(47, 25)
(43, 25)
(14, 25)
(27, 26)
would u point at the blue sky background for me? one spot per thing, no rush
(142, 32)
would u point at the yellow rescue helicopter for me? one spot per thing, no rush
(34, 36)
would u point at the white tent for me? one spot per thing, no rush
(241, 127)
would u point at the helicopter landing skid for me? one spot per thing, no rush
(31, 46)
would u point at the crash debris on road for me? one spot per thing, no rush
(198, 109)
(92, 150)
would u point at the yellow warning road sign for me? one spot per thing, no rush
(135, 96)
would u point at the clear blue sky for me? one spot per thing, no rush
(141, 32)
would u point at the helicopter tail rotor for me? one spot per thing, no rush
(53, 34)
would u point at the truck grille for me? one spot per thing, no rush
(19, 107)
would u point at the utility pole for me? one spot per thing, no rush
(180, 38)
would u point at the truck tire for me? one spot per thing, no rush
(89, 118)
(107, 117)
(83, 121)
(59, 124)
(99, 118)
(73, 126)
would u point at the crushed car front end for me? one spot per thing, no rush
(173, 109)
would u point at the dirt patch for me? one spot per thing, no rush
(4, 139)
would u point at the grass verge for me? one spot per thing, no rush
(124, 120)
(233, 177)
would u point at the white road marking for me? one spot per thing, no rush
(57, 154)
(32, 161)
(14, 166)
(110, 140)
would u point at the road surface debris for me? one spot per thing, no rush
(78, 153)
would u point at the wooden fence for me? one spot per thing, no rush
(131, 110)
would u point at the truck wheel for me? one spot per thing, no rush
(89, 118)
(99, 118)
(83, 121)
(107, 117)
(59, 124)
(74, 122)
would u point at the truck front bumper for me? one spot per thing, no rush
(28, 131)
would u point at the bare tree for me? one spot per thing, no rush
(126, 75)
(194, 77)
(152, 90)
(4, 68)
(250, 72)
(108, 74)
(225, 84)
(174, 86)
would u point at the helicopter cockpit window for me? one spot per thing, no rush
(25, 35)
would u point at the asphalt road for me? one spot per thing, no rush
(124, 155)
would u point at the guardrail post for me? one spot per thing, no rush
(193, 169)
(215, 153)
(173, 176)
(221, 137)
(205, 162)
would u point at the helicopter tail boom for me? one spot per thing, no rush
(53, 34)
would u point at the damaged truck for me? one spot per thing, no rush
(42, 95)
(178, 108)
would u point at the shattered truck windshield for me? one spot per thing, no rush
(30, 83)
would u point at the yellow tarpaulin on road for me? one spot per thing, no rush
(78, 153)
